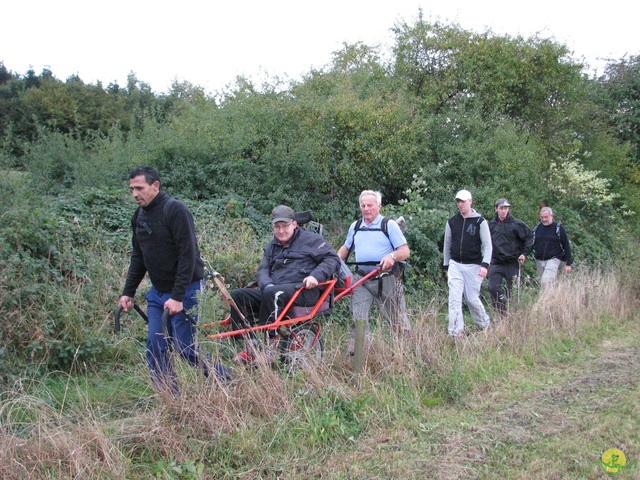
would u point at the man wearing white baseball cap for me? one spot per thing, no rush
(467, 254)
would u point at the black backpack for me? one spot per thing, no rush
(383, 228)
(144, 225)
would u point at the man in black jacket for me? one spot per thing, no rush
(293, 256)
(163, 245)
(512, 241)
(551, 247)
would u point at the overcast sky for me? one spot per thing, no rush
(210, 43)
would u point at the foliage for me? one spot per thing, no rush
(31, 102)
(531, 385)
(448, 109)
(55, 261)
(52, 160)
(621, 84)
(529, 80)
(330, 416)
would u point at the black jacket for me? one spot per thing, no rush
(164, 244)
(510, 239)
(552, 241)
(307, 253)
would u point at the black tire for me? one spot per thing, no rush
(303, 346)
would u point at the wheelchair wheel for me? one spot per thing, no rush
(303, 346)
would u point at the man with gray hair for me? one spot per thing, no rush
(551, 247)
(377, 241)
(467, 254)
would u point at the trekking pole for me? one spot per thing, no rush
(519, 279)
(229, 301)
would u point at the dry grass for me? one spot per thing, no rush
(266, 414)
(39, 441)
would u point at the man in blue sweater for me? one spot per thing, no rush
(552, 247)
(376, 245)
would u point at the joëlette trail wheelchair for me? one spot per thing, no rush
(295, 337)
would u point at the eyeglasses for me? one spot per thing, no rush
(282, 228)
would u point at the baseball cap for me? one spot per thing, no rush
(463, 195)
(282, 213)
(502, 202)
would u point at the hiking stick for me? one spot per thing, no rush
(226, 296)
(519, 280)
(119, 311)
(164, 320)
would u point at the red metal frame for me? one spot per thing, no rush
(330, 287)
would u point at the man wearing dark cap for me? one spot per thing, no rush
(293, 256)
(512, 241)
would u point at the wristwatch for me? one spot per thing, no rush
(393, 255)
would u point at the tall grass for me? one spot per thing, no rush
(272, 424)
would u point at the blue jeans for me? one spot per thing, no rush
(181, 337)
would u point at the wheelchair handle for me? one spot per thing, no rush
(116, 317)
(165, 320)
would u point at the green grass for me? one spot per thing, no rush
(542, 395)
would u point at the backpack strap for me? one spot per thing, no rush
(560, 239)
(558, 224)
(353, 240)
(358, 226)
(165, 210)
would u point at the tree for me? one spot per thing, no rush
(530, 80)
(621, 82)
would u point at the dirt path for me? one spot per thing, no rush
(562, 430)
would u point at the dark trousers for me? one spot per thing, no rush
(498, 272)
(262, 307)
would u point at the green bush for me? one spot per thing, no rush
(56, 262)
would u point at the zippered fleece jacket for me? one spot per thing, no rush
(164, 244)
(307, 253)
(509, 239)
(467, 240)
